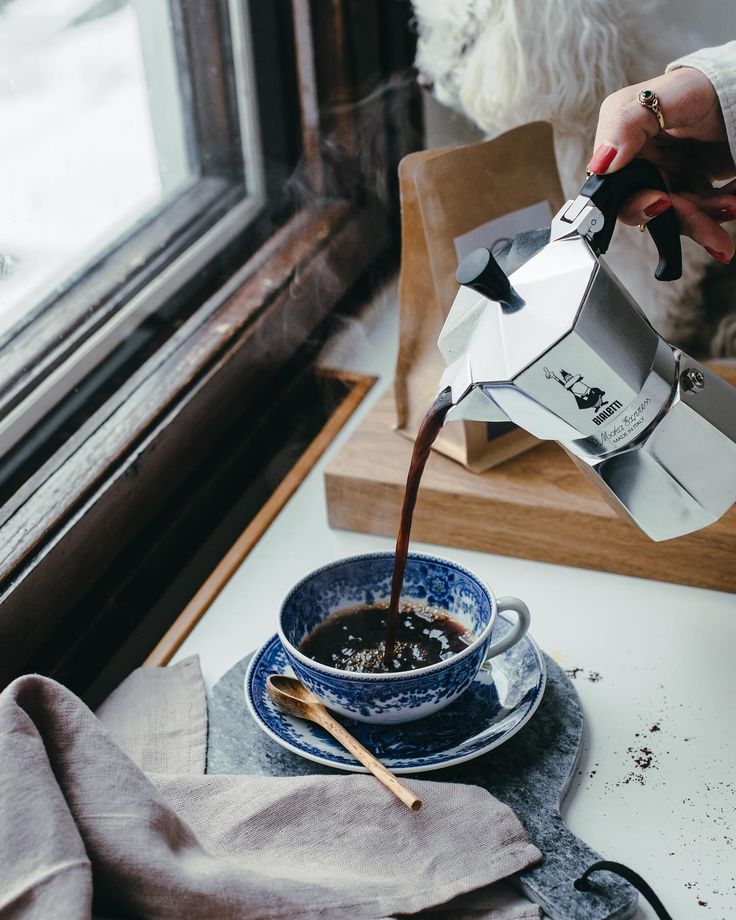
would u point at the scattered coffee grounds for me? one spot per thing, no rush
(355, 639)
(429, 429)
(643, 758)
(593, 676)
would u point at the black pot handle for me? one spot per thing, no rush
(608, 194)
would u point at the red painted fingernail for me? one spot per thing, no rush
(602, 159)
(728, 213)
(657, 207)
(718, 256)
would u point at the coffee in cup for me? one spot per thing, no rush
(354, 639)
(364, 582)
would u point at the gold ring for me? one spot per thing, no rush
(648, 98)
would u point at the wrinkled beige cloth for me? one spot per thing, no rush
(83, 827)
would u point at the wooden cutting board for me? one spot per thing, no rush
(535, 506)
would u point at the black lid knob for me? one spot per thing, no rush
(480, 271)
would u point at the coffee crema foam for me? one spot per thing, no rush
(355, 639)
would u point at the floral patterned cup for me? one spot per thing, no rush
(399, 696)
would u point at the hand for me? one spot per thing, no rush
(690, 153)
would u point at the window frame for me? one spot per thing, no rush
(93, 497)
(45, 355)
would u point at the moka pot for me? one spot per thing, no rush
(554, 343)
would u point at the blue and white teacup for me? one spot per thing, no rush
(399, 696)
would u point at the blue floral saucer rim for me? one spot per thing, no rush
(502, 698)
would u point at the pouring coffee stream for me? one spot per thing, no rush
(428, 430)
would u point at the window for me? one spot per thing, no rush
(217, 178)
(114, 148)
(131, 154)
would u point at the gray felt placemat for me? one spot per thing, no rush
(530, 772)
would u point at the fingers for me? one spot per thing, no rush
(643, 206)
(691, 113)
(624, 127)
(700, 226)
(698, 217)
(720, 205)
(689, 106)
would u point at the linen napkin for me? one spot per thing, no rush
(83, 827)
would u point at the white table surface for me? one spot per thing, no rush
(656, 671)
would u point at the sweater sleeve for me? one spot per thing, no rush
(719, 66)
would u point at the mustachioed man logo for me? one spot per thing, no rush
(586, 397)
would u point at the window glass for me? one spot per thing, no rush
(93, 136)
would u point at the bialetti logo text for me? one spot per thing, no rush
(585, 396)
(611, 409)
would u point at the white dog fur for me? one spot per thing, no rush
(507, 62)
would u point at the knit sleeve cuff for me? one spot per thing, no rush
(719, 66)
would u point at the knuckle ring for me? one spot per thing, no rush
(648, 98)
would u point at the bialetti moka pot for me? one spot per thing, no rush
(553, 342)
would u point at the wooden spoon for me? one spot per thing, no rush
(292, 697)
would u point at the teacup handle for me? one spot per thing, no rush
(522, 625)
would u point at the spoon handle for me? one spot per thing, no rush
(362, 754)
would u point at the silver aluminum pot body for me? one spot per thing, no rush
(573, 359)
